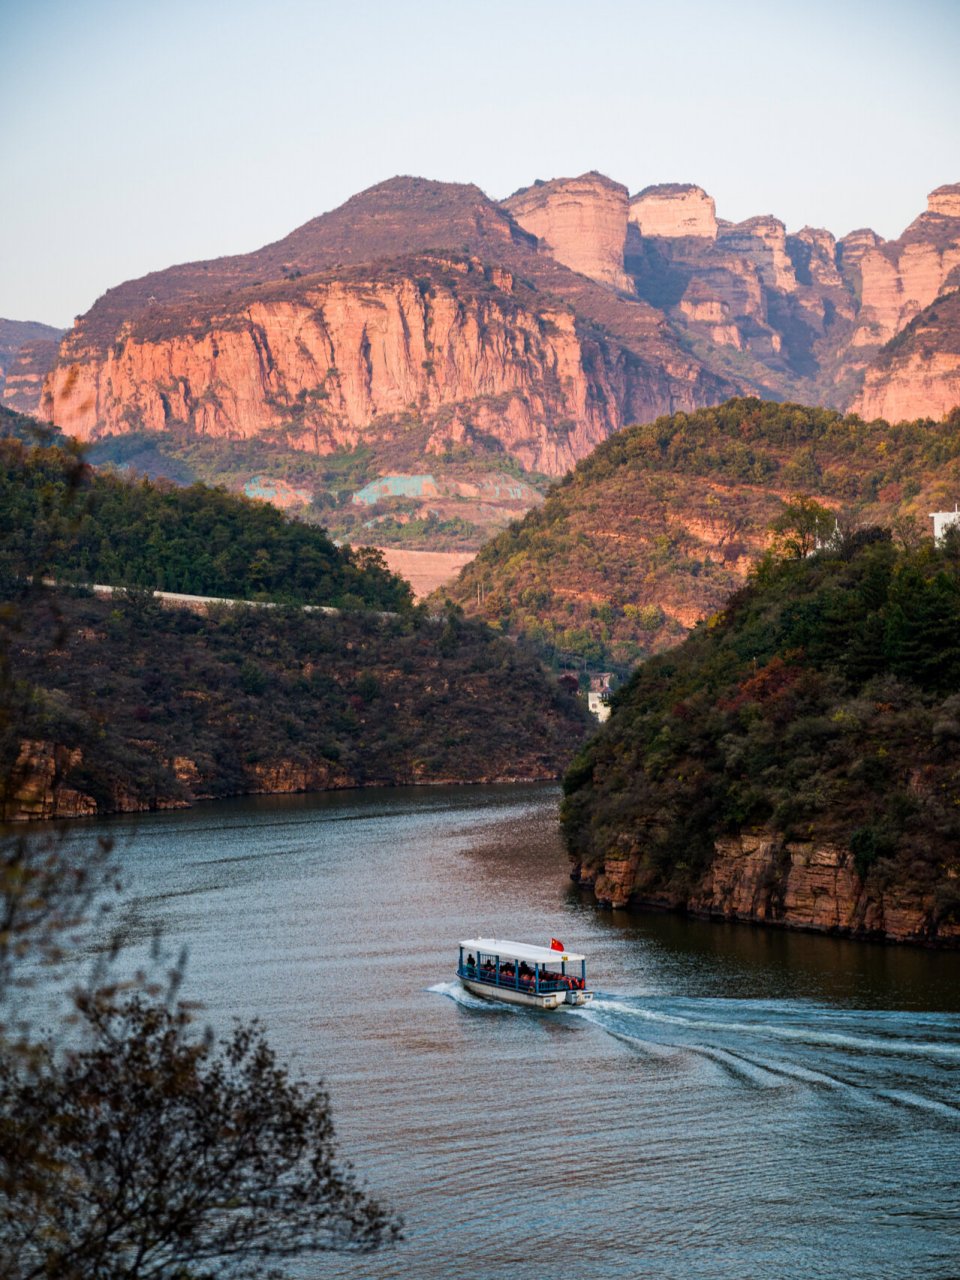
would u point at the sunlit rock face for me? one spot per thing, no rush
(918, 374)
(356, 328)
(945, 201)
(673, 209)
(582, 222)
(342, 363)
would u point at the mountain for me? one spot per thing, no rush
(28, 351)
(795, 762)
(654, 530)
(416, 307)
(429, 346)
(795, 315)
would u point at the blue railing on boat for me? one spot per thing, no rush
(490, 969)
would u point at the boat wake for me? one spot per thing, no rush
(454, 991)
(867, 1058)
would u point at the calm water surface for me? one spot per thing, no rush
(736, 1104)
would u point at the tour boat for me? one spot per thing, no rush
(518, 973)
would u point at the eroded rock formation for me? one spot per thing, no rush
(581, 222)
(328, 362)
(797, 885)
(674, 209)
(554, 322)
(920, 367)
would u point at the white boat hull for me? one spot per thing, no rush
(510, 995)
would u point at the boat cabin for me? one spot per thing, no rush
(519, 973)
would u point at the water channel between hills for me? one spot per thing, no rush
(738, 1104)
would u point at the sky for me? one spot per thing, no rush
(140, 133)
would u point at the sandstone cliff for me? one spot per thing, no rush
(496, 346)
(920, 367)
(582, 222)
(674, 209)
(330, 361)
(794, 884)
(800, 315)
(599, 310)
(28, 351)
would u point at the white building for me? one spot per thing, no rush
(597, 703)
(943, 520)
(601, 687)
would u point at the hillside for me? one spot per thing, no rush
(797, 760)
(657, 527)
(61, 518)
(125, 705)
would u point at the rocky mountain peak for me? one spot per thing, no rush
(673, 209)
(582, 222)
(945, 200)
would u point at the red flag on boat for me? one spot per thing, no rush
(556, 945)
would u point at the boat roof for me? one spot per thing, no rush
(519, 950)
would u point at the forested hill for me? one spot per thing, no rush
(61, 518)
(662, 521)
(127, 705)
(797, 758)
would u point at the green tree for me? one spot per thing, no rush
(802, 527)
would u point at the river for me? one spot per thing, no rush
(737, 1104)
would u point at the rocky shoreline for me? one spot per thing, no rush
(756, 879)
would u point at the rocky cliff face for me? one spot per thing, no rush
(448, 347)
(800, 315)
(672, 210)
(624, 310)
(28, 351)
(797, 885)
(581, 222)
(896, 280)
(331, 361)
(921, 366)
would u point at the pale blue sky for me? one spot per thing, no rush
(137, 135)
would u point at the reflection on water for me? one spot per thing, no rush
(736, 1103)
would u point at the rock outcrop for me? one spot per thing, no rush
(581, 222)
(945, 201)
(28, 351)
(799, 315)
(594, 310)
(918, 373)
(332, 361)
(796, 885)
(674, 209)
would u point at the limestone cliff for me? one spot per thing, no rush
(581, 222)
